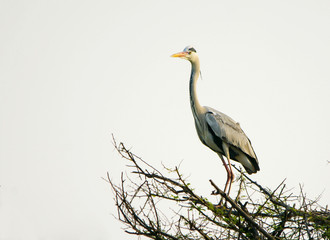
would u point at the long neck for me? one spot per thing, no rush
(194, 103)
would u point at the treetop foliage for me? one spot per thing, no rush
(165, 206)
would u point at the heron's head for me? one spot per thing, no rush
(189, 53)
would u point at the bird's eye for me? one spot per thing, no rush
(192, 49)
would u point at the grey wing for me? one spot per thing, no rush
(229, 131)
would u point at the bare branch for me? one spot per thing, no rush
(144, 197)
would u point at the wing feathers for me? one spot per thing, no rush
(230, 131)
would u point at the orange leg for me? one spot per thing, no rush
(230, 173)
(231, 176)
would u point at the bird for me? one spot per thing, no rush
(216, 130)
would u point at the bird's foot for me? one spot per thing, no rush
(222, 200)
(221, 205)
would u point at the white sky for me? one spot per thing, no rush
(73, 72)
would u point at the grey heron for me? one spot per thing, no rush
(216, 130)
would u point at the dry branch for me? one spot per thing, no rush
(158, 206)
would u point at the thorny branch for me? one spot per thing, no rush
(167, 207)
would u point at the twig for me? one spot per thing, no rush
(250, 220)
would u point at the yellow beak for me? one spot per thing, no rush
(180, 54)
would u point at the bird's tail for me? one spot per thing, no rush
(249, 163)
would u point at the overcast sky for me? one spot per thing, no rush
(73, 72)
